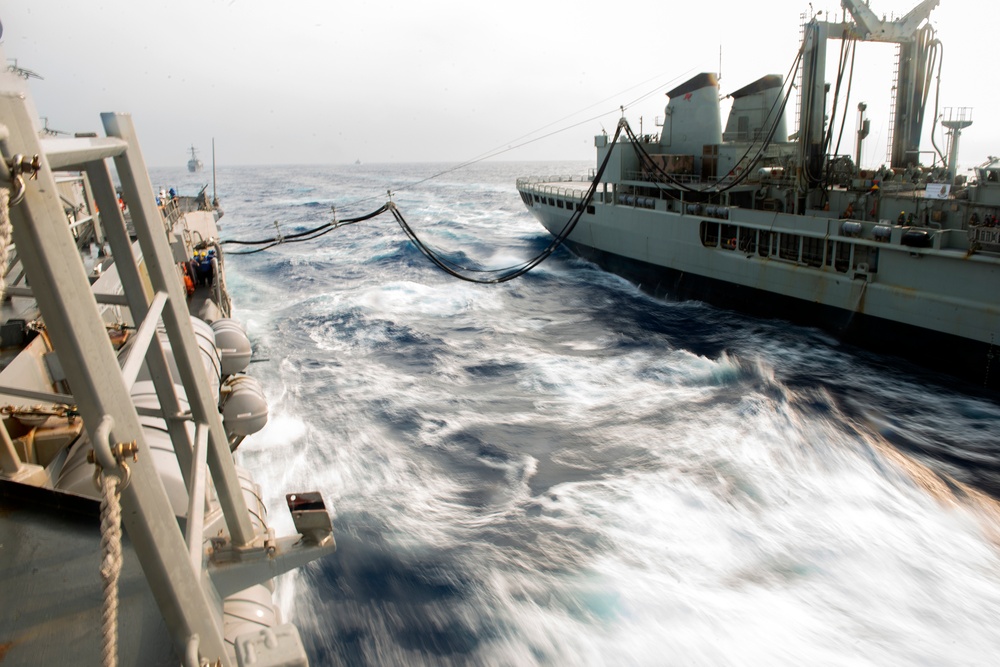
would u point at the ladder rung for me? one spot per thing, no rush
(76, 152)
(143, 336)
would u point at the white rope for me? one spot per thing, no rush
(111, 566)
(5, 235)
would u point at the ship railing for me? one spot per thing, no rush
(687, 179)
(549, 186)
(986, 238)
(188, 599)
(77, 223)
(172, 212)
(534, 180)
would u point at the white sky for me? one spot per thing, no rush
(303, 81)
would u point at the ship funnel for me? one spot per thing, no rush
(692, 118)
(755, 108)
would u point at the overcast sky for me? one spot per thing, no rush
(327, 82)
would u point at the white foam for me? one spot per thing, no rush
(712, 518)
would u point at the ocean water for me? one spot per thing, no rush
(562, 470)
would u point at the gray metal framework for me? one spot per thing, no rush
(189, 600)
(908, 88)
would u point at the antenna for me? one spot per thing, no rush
(719, 78)
(20, 71)
(214, 197)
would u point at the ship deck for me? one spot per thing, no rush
(51, 595)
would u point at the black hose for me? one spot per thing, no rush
(517, 270)
(446, 265)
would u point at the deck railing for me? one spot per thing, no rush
(547, 185)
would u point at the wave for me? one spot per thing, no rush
(564, 470)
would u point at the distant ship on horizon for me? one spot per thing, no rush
(194, 164)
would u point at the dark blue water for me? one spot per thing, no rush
(562, 470)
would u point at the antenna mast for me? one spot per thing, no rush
(214, 197)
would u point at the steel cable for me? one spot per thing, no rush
(448, 266)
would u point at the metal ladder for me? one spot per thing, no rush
(188, 600)
(893, 93)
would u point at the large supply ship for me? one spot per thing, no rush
(124, 397)
(904, 259)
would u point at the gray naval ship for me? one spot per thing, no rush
(194, 163)
(124, 397)
(903, 260)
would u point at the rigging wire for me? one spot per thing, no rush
(486, 156)
(452, 268)
(499, 150)
(832, 122)
(513, 145)
(511, 272)
(848, 47)
(847, 100)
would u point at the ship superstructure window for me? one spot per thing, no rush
(559, 203)
(709, 233)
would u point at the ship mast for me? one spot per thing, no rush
(915, 39)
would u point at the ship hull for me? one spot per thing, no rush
(875, 307)
(965, 359)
